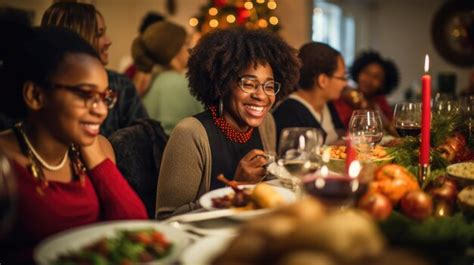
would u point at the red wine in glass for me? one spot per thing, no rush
(335, 190)
(404, 131)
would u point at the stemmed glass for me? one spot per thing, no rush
(407, 118)
(450, 107)
(467, 107)
(366, 129)
(298, 153)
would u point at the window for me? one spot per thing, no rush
(332, 27)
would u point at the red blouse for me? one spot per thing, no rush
(105, 196)
(344, 109)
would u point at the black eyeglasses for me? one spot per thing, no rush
(250, 85)
(91, 97)
(342, 78)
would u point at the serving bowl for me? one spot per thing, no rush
(462, 173)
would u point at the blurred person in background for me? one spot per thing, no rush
(322, 79)
(469, 90)
(66, 172)
(168, 99)
(142, 79)
(85, 20)
(375, 77)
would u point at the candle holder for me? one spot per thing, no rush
(423, 172)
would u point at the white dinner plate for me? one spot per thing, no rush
(206, 201)
(205, 250)
(74, 239)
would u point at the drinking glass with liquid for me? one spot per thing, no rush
(407, 119)
(338, 190)
(366, 127)
(297, 152)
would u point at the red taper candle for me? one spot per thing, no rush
(351, 153)
(425, 114)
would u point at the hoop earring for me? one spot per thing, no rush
(220, 108)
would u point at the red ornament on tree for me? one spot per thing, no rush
(242, 15)
(219, 3)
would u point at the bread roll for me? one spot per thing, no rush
(265, 196)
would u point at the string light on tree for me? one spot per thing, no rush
(272, 5)
(230, 18)
(213, 11)
(252, 14)
(262, 23)
(193, 22)
(213, 23)
(248, 5)
(273, 20)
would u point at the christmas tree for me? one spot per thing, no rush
(252, 14)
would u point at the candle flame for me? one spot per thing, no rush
(427, 63)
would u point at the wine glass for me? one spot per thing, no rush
(407, 118)
(298, 153)
(365, 129)
(339, 190)
(467, 107)
(447, 107)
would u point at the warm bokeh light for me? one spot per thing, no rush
(273, 20)
(272, 5)
(262, 23)
(193, 22)
(213, 11)
(230, 18)
(260, 1)
(213, 23)
(248, 5)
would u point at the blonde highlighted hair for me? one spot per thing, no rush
(78, 17)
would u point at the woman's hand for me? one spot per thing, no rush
(97, 152)
(251, 167)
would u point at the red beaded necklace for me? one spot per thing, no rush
(228, 131)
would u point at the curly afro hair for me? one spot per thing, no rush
(391, 72)
(220, 57)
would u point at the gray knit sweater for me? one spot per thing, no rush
(185, 172)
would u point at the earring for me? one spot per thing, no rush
(220, 108)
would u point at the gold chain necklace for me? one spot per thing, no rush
(39, 158)
(38, 174)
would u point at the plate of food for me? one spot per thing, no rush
(462, 173)
(138, 242)
(204, 251)
(337, 156)
(247, 200)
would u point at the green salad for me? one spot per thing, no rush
(127, 247)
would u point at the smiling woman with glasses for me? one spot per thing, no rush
(66, 171)
(322, 78)
(238, 74)
(89, 23)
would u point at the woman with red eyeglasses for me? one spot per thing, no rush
(66, 175)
